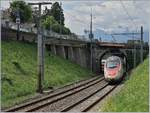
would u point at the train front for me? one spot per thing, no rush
(113, 70)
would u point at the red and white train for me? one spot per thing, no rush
(114, 69)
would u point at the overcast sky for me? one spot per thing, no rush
(108, 15)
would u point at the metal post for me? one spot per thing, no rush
(91, 57)
(18, 23)
(134, 52)
(141, 52)
(18, 30)
(91, 47)
(60, 21)
(40, 55)
(41, 46)
(43, 52)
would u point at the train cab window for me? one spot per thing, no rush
(112, 64)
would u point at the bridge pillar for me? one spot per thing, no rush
(87, 57)
(82, 52)
(62, 52)
(70, 53)
(80, 57)
(53, 49)
(94, 66)
(76, 55)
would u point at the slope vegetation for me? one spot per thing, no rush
(19, 71)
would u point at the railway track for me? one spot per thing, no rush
(69, 98)
(88, 104)
(58, 91)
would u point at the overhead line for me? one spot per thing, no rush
(127, 12)
(75, 18)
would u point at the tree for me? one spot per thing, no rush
(22, 9)
(66, 31)
(51, 19)
(35, 15)
(57, 13)
(49, 22)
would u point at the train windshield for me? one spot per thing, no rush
(112, 64)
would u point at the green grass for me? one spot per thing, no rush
(135, 94)
(19, 72)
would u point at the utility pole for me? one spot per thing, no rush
(60, 20)
(141, 52)
(134, 52)
(91, 47)
(40, 46)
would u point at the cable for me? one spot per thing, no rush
(141, 11)
(134, 50)
(132, 20)
(84, 23)
(75, 18)
(127, 12)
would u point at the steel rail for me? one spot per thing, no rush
(50, 96)
(48, 102)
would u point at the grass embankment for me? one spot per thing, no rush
(134, 96)
(19, 71)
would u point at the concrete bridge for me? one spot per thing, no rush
(79, 51)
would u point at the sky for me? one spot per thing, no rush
(109, 16)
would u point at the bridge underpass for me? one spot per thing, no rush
(107, 53)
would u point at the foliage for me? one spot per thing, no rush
(57, 12)
(134, 95)
(19, 71)
(56, 28)
(51, 19)
(66, 30)
(35, 16)
(51, 24)
(23, 9)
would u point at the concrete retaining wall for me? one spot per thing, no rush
(10, 34)
(73, 50)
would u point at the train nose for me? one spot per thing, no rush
(111, 73)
